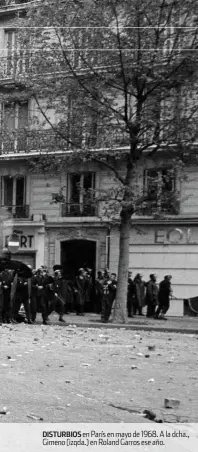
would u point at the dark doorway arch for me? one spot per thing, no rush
(77, 254)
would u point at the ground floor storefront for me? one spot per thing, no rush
(76, 247)
(31, 242)
(161, 247)
(164, 248)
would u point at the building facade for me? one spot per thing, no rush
(76, 233)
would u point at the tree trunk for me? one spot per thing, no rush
(120, 311)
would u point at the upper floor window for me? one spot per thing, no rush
(13, 195)
(160, 190)
(80, 187)
(13, 191)
(10, 47)
(82, 120)
(80, 195)
(17, 53)
(14, 121)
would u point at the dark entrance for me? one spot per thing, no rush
(77, 254)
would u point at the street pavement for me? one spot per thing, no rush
(172, 324)
(91, 373)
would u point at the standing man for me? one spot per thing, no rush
(108, 297)
(56, 302)
(164, 295)
(22, 296)
(130, 295)
(6, 283)
(1, 302)
(39, 295)
(79, 292)
(139, 294)
(151, 296)
(99, 291)
(34, 296)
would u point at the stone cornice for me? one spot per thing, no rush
(178, 220)
(74, 224)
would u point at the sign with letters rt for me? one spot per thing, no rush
(25, 241)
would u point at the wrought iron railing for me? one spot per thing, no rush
(14, 66)
(78, 210)
(26, 141)
(6, 4)
(18, 211)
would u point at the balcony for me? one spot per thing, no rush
(26, 141)
(10, 4)
(13, 67)
(78, 210)
(20, 212)
(11, 7)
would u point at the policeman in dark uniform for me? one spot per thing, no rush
(22, 296)
(56, 301)
(38, 298)
(6, 283)
(131, 292)
(109, 295)
(34, 297)
(164, 296)
(1, 302)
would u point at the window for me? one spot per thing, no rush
(10, 45)
(80, 187)
(13, 195)
(160, 190)
(82, 120)
(80, 195)
(14, 124)
(17, 55)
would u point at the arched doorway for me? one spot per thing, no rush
(76, 254)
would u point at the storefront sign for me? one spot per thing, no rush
(25, 241)
(13, 243)
(174, 236)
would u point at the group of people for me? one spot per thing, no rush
(141, 294)
(45, 293)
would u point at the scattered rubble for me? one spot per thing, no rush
(35, 417)
(151, 348)
(149, 414)
(171, 403)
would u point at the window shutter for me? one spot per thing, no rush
(10, 39)
(22, 125)
(8, 190)
(23, 115)
(9, 117)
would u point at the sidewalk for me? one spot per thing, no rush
(183, 325)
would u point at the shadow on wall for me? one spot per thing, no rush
(191, 307)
